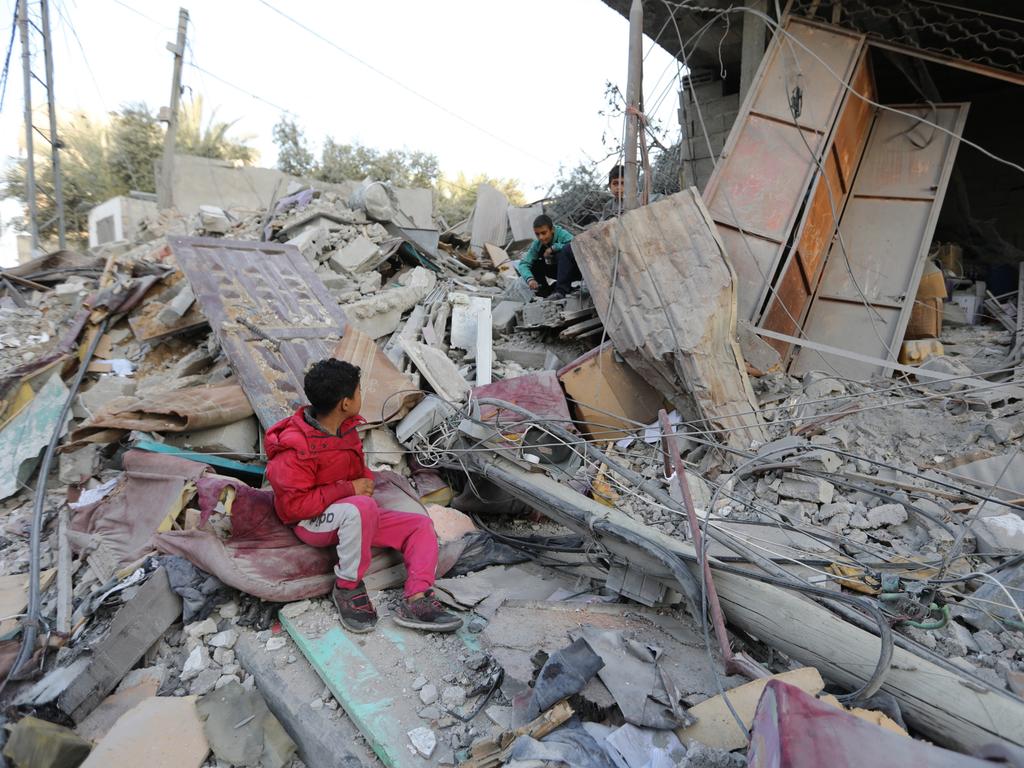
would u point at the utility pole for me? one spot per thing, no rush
(55, 143)
(165, 191)
(30, 165)
(634, 80)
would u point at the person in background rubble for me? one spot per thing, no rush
(549, 255)
(617, 186)
(323, 488)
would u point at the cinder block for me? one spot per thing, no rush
(240, 438)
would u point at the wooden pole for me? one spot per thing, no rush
(165, 190)
(634, 82)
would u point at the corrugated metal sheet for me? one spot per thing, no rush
(272, 315)
(672, 314)
(866, 291)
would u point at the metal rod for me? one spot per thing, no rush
(30, 164)
(633, 88)
(717, 620)
(55, 143)
(165, 190)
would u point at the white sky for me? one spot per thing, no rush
(531, 73)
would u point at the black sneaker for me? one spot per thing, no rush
(426, 613)
(555, 296)
(355, 609)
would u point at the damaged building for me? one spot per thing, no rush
(753, 495)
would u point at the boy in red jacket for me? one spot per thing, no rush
(323, 487)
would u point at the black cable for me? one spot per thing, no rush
(31, 620)
(7, 59)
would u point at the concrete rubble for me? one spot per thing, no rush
(669, 497)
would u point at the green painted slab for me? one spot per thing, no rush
(368, 677)
(360, 688)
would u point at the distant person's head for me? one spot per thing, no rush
(332, 386)
(544, 229)
(617, 181)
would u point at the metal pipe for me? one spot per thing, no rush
(31, 621)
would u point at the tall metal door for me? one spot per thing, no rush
(872, 271)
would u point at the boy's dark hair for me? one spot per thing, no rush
(617, 172)
(328, 382)
(543, 221)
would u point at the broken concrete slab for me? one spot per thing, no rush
(804, 488)
(438, 370)
(145, 736)
(503, 316)
(381, 314)
(359, 255)
(75, 467)
(673, 317)
(322, 737)
(241, 730)
(99, 722)
(137, 625)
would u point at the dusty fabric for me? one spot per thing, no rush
(263, 556)
(154, 486)
(180, 410)
(356, 524)
(200, 592)
(566, 672)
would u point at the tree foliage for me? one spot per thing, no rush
(457, 196)
(104, 159)
(351, 162)
(579, 196)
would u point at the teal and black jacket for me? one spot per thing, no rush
(562, 237)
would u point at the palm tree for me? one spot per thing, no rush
(211, 140)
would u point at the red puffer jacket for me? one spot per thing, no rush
(309, 469)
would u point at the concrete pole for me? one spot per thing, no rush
(55, 144)
(165, 190)
(30, 165)
(634, 82)
(752, 50)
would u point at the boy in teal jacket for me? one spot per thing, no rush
(549, 256)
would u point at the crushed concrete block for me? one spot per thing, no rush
(276, 644)
(423, 741)
(453, 696)
(381, 314)
(803, 488)
(999, 534)
(381, 447)
(197, 662)
(213, 220)
(1005, 430)
(292, 610)
(503, 315)
(176, 308)
(201, 628)
(428, 693)
(156, 674)
(797, 512)
(225, 639)
(370, 282)
(223, 656)
(359, 255)
(238, 439)
(311, 242)
(204, 682)
(78, 466)
(69, 292)
(35, 743)
(887, 514)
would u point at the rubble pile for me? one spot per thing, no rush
(520, 428)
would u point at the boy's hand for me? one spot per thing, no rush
(363, 487)
(533, 284)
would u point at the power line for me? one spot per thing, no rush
(239, 88)
(7, 58)
(403, 86)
